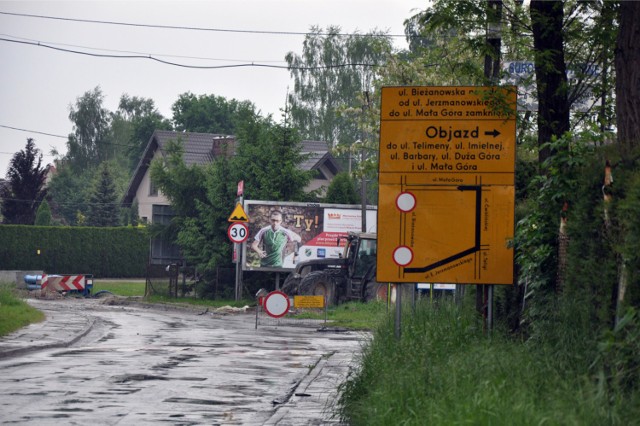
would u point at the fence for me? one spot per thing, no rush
(174, 280)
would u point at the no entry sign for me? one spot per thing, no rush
(276, 304)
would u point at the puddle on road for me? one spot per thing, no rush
(75, 352)
(74, 410)
(119, 391)
(208, 401)
(128, 378)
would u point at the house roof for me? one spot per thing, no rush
(318, 154)
(202, 148)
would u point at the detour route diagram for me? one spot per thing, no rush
(446, 194)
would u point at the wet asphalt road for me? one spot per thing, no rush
(138, 365)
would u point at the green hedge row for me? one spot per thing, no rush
(104, 252)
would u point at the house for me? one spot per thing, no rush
(202, 148)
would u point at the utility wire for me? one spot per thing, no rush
(33, 131)
(153, 58)
(202, 58)
(175, 27)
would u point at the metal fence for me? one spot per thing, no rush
(174, 280)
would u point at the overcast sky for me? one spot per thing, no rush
(39, 84)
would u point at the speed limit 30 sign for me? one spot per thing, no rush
(238, 232)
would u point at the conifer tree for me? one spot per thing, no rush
(43, 215)
(26, 177)
(103, 207)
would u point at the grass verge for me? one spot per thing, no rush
(443, 371)
(120, 288)
(14, 312)
(352, 315)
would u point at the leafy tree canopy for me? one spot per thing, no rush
(342, 190)
(89, 143)
(330, 75)
(210, 114)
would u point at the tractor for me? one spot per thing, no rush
(351, 277)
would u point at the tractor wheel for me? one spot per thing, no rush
(319, 284)
(378, 291)
(375, 291)
(290, 285)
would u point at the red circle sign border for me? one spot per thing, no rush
(410, 254)
(414, 201)
(246, 234)
(266, 300)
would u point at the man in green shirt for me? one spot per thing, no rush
(274, 238)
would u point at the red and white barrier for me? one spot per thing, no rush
(63, 282)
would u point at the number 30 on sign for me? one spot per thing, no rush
(238, 232)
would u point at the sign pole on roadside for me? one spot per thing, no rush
(238, 233)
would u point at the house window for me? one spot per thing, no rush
(163, 249)
(153, 189)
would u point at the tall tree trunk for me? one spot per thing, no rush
(551, 77)
(627, 63)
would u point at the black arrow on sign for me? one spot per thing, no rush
(494, 132)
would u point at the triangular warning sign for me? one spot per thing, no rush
(238, 215)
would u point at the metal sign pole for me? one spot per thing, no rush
(398, 310)
(236, 247)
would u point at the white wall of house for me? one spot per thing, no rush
(146, 199)
(320, 183)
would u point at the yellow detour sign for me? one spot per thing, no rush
(446, 185)
(238, 215)
(308, 301)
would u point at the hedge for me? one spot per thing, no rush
(120, 252)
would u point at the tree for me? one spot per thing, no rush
(68, 191)
(627, 64)
(25, 190)
(43, 215)
(551, 72)
(330, 75)
(132, 126)
(103, 201)
(88, 145)
(269, 157)
(210, 114)
(342, 190)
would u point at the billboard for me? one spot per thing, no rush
(281, 234)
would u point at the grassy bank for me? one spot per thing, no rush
(443, 371)
(14, 312)
(120, 288)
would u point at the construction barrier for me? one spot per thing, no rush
(66, 283)
(277, 309)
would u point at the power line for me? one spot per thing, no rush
(162, 61)
(12, 37)
(33, 131)
(176, 27)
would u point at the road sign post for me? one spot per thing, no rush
(446, 189)
(238, 232)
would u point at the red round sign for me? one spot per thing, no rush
(276, 304)
(238, 232)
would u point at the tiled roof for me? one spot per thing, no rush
(201, 148)
(316, 151)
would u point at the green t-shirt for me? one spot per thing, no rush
(273, 244)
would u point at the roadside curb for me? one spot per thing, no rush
(313, 400)
(13, 345)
